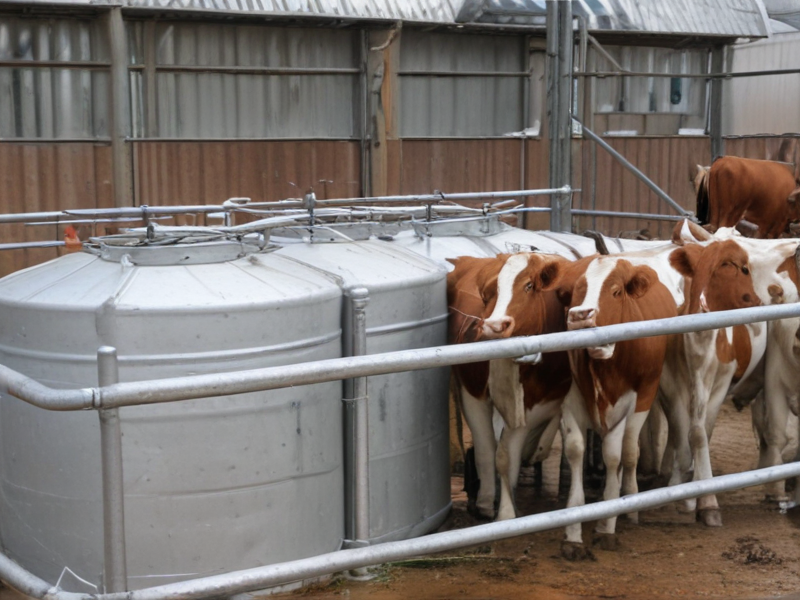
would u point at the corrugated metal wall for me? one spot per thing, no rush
(767, 104)
(210, 172)
(202, 91)
(47, 177)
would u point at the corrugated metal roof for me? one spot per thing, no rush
(785, 11)
(740, 18)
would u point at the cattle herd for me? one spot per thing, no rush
(680, 381)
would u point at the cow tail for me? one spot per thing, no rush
(702, 208)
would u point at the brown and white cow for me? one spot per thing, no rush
(762, 192)
(615, 385)
(776, 277)
(701, 367)
(498, 297)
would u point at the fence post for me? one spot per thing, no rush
(115, 575)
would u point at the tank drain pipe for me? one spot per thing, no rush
(115, 575)
(357, 412)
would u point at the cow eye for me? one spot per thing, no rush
(528, 286)
(617, 293)
(745, 270)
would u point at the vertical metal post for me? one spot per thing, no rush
(120, 110)
(559, 103)
(360, 298)
(715, 106)
(115, 569)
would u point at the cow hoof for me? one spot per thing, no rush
(710, 517)
(605, 541)
(573, 551)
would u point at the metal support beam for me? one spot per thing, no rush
(625, 163)
(120, 109)
(715, 104)
(559, 108)
(115, 570)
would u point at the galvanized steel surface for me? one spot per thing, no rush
(737, 18)
(53, 102)
(251, 470)
(408, 412)
(715, 17)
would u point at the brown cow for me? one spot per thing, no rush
(614, 385)
(761, 192)
(493, 298)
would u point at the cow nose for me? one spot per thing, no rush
(582, 317)
(751, 301)
(501, 327)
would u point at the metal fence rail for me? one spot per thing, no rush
(109, 396)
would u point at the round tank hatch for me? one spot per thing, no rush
(164, 246)
(177, 254)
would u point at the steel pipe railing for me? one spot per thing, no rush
(272, 575)
(625, 215)
(240, 382)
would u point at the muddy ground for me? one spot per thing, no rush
(756, 554)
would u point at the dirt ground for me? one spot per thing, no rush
(755, 555)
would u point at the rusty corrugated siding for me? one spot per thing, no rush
(211, 172)
(48, 177)
(457, 165)
(669, 162)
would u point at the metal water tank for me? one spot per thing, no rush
(409, 469)
(487, 236)
(210, 485)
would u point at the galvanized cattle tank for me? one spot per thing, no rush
(211, 485)
(409, 474)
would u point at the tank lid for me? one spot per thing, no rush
(154, 246)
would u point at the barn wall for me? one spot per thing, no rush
(207, 172)
(767, 104)
(670, 162)
(49, 177)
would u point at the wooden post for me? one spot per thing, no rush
(382, 83)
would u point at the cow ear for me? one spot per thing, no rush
(547, 277)
(683, 260)
(641, 281)
(453, 261)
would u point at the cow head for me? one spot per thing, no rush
(720, 276)
(603, 293)
(513, 298)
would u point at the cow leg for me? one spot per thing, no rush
(612, 457)
(509, 457)
(574, 423)
(770, 414)
(679, 450)
(511, 447)
(630, 455)
(478, 414)
(707, 506)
